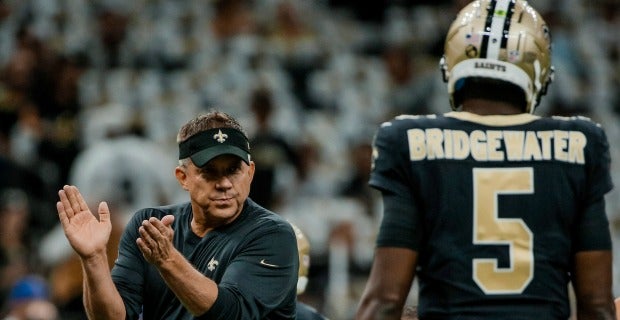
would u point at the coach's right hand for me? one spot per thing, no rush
(87, 235)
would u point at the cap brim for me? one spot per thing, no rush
(201, 158)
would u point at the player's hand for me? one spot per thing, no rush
(155, 240)
(87, 235)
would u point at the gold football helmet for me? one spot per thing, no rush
(499, 39)
(303, 247)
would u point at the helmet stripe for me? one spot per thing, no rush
(487, 26)
(498, 25)
(507, 23)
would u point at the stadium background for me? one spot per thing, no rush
(92, 93)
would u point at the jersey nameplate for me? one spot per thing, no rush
(497, 145)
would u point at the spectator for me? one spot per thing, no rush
(273, 154)
(29, 300)
(304, 310)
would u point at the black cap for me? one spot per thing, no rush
(206, 145)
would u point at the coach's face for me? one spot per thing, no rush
(217, 190)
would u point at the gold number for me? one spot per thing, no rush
(489, 229)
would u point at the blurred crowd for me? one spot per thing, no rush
(92, 93)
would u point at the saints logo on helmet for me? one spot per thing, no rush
(505, 40)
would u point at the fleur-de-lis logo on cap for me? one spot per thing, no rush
(220, 137)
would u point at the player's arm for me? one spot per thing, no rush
(592, 282)
(400, 233)
(388, 286)
(395, 260)
(592, 266)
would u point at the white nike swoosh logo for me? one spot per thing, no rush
(268, 264)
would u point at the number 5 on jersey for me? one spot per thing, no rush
(490, 229)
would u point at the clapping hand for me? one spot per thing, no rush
(87, 234)
(155, 240)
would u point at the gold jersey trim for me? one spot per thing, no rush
(493, 120)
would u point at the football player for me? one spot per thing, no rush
(304, 311)
(494, 210)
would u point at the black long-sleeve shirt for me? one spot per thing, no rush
(253, 260)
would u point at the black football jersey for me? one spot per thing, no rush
(495, 206)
